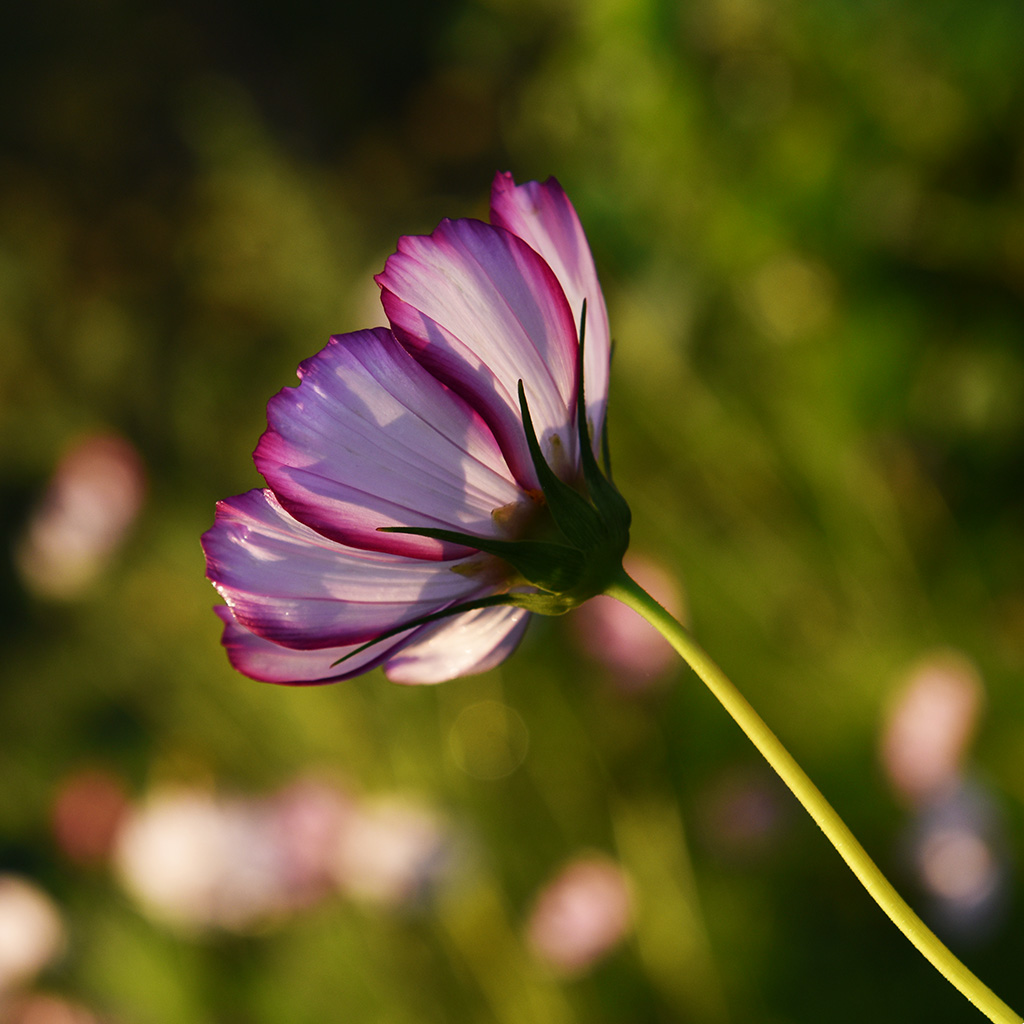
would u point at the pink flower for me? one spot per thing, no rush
(96, 494)
(407, 520)
(88, 808)
(929, 727)
(581, 915)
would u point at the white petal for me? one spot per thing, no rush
(542, 216)
(465, 645)
(370, 439)
(293, 586)
(482, 311)
(268, 662)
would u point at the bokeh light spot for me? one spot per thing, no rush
(489, 740)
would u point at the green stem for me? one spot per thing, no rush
(629, 593)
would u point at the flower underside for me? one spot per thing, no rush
(550, 577)
(432, 483)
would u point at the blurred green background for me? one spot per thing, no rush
(809, 223)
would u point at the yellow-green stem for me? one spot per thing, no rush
(628, 592)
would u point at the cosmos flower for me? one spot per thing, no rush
(432, 484)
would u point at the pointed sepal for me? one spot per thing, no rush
(590, 522)
(574, 516)
(607, 500)
(549, 566)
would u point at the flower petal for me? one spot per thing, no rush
(542, 216)
(482, 311)
(271, 663)
(461, 646)
(370, 439)
(291, 585)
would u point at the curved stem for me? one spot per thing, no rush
(838, 834)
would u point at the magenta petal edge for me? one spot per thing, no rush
(419, 427)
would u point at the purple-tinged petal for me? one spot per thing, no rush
(293, 586)
(370, 439)
(542, 216)
(482, 311)
(461, 646)
(271, 663)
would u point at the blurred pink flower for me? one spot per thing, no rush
(86, 813)
(956, 842)
(632, 650)
(581, 915)
(930, 723)
(307, 818)
(94, 497)
(741, 813)
(420, 427)
(37, 1008)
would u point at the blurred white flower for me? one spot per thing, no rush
(31, 931)
(391, 850)
(196, 861)
(581, 915)
(93, 498)
(958, 852)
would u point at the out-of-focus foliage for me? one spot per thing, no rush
(809, 219)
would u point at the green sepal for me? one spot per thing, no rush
(594, 525)
(606, 451)
(552, 567)
(540, 603)
(574, 516)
